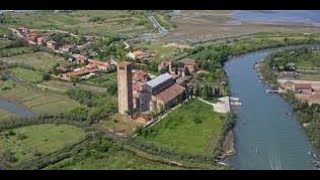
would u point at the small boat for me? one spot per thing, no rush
(309, 153)
(222, 163)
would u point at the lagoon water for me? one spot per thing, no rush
(265, 136)
(15, 108)
(311, 17)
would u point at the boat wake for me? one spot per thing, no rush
(274, 161)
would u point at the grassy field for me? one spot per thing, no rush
(6, 85)
(157, 48)
(108, 81)
(118, 124)
(39, 60)
(15, 51)
(41, 102)
(27, 75)
(112, 160)
(63, 86)
(90, 22)
(30, 142)
(4, 42)
(186, 131)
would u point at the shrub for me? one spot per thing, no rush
(21, 137)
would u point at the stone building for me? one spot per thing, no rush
(125, 95)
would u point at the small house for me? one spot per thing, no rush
(52, 44)
(303, 88)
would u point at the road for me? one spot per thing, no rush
(156, 24)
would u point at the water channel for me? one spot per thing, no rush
(267, 134)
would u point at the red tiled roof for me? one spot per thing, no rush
(140, 76)
(170, 93)
(302, 86)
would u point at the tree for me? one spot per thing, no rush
(46, 76)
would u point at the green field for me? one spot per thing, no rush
(186, 131)
(112, 160)
(157, 48)
(90, 22)
(4, 42)
(39, 60)
(27, 75)
(63, 86)
(41, 102)
(6, 85)
(34, 141)
(15, 51)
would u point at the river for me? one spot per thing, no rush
(266, 137)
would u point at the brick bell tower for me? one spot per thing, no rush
(125, 95)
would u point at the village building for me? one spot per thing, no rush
(80, 59)
(40, 41)
(62, 69)
(23, 31)
(67, 48)
(138, 55)
(190, 64)
(102, 65)
(165, 66)
(288, 85)
(32, 36)
(52, 44)
(168, 97)
(303, 88)
(288, 75)
(139, 80)
(76, 73)
(164, 92)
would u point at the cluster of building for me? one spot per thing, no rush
(90, 69)
(34, 38)
(137, 92)
(301, 88)
(139, 55)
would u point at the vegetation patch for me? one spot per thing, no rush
(38, 60)
(186, 131)
(41, 102)
(26, 143)
(103, 154)
(28, 75)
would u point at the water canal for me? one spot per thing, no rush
(266, 137)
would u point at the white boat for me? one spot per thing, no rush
(222, 163)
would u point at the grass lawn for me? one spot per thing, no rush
(112, 160)
(186, 131)
(39, 140)
(40, 101)
(39, 60)
(27, 75)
